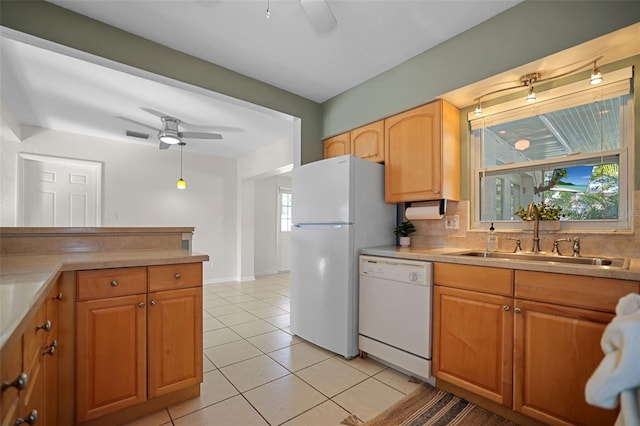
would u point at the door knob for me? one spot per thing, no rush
(517, 310)
(46, 326)
(19, 383)
(31, 419)
(57, 296)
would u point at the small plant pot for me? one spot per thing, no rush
(545, 225)
(405, 241)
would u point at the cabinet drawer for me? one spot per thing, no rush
(180, 275)
(103, 283)
(34, 338)
(601, 294)
(477, 278)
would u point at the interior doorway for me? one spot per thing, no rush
(54, 191)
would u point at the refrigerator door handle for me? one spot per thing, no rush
(322, 225)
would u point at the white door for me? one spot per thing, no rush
(58, 191)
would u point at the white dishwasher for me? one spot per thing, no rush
(395, 312)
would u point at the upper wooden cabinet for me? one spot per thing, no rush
(367, 142)
(337, 145)
(422, 154)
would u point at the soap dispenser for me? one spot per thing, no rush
(492, 239)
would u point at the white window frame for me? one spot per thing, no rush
(551, 100)
(283, 190)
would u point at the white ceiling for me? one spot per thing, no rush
(49, 86)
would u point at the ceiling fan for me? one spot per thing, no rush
(169, 132)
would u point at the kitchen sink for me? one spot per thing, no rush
(547, 257)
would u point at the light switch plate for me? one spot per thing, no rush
(452, 222)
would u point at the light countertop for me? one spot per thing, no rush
(24, 279)
(447, 255)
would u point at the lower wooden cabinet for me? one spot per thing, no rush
(557, 348)
(28, 367)
(111, 368)
(474, 337)
(137, 347)
(532, 356)
(175, 340)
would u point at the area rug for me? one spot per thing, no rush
(428, 406)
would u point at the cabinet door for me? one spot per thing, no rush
(337, 145)
(50, 361)
(413, 153)
(175, 340)
(473, 342)
(110, 355)
(368, 142)
(556, 350)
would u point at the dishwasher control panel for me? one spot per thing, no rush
(405, 271)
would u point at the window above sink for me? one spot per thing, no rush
(571, 150)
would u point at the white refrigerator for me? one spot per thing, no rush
(338, 209)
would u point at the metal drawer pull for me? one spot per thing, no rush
(46, 326)
(114, 283)
(518, 310)
(153, 303)
(57, 296)
(51, 349)
(178, 276)
(506, 307)
(31, 419)
(141, 305)
(19, 383)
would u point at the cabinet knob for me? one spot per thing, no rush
(114, 283)
(31, 419)
(141, 305)
(57, 296)
(517, 310)
(46, 326)
(19, 383)
(51, 349)
(153, 303)
(506, 307)
(436, 191)
(178, 276)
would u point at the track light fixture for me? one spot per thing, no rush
(527, 80)
(596, 76)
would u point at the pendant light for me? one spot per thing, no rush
(181, 184)
(596, 75)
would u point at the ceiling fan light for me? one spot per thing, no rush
(168, 138)
(181, 184)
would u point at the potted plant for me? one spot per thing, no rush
(404, 230)
(550, 216)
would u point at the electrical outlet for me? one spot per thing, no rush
(452, 222)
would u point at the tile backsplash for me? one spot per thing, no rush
(432, 234)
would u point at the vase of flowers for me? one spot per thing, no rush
(550, 216)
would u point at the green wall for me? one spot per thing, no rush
(62, 26)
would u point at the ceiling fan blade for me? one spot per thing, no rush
(138, 123)
(165, 145)
(199, 135)
(320, 15)
(154, 112)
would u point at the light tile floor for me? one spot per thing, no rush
(257, 373)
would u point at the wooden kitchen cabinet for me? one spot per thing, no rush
(175, 340)
(337, 145)
(557, 349)
(111, 371)
(32, 355)
(422, 154)
(473, 330)
(552, 324)
(367, 142)
(132, 348)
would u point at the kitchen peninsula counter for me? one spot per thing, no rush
(32, 259)
(447, 255)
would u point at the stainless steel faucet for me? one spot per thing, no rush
(536, 225)
(576, 247)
